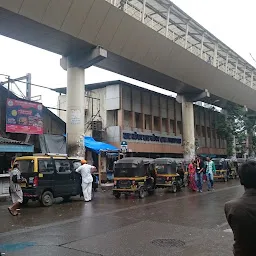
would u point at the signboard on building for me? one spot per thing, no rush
(152, 138)
(24, 117)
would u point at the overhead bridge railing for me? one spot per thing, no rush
(170, 21)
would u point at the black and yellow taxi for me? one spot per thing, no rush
(166, 174)
(49, 176)
(134, 175)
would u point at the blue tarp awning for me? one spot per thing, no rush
(96, 146)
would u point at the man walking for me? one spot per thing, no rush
(210, 170)
(85, 170)
(15, 189)
(199, 174)
(241, 213)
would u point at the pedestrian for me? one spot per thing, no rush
(15, 189)
(241, 213)
(199, 174)
(85, 170)
(210, 170)
(192, 172)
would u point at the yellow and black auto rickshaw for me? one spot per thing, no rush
(221, 169)
(166, 174)
(134, 175)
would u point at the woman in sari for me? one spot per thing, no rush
(192, 171)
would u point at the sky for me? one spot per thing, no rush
(231, 21)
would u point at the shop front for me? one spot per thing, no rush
(9, 149)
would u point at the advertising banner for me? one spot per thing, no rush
(24, 117)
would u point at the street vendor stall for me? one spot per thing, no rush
(102, 155)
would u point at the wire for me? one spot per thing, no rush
(37, 85)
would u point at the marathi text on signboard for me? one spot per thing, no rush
(24, 117)
(151, 138)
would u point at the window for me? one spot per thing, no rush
(76, 164)
(112, 118)
(179, 127)
(164, 125)
(198, 132)
(148, 123)
(62, 166)
(203, 131)
(156, 123)
(208, 132)
(127, 118)
(45, 166)
(172, 126)
(138, 120)
(26, 166)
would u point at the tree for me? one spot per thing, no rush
(231, 123)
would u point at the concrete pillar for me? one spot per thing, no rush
(188, 129)
(75, 112)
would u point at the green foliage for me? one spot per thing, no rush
(237, 122)
(231, 123)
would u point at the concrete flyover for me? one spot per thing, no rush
(149, 40)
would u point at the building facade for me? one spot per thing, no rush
(149, 122)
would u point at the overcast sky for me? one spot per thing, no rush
(232, 21)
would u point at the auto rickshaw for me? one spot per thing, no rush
(166, 174)
(221, 169)
(134, 175)
(232, 172)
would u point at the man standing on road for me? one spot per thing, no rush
(15, 189)
(199, 174)
(85, 170)
(241, 213)
(210, 170)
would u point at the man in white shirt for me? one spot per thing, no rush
(85, 170)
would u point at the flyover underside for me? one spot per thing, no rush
(159, 62)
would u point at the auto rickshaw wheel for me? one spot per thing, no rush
(117, 195)
(46, 199)
(141, 193)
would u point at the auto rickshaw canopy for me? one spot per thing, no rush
(133, 167)
(166, 165)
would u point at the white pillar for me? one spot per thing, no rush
(186, 36)
(167, 22)
(202, 47)
(75, 112)
(188, 129)
(215, 55)
(143, 11)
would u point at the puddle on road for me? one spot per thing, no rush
(15, 247)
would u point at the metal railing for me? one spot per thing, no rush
(170, 21)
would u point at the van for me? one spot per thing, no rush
(49, 176)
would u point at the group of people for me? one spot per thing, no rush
(197, 170)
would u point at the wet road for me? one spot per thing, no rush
(183, 224)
